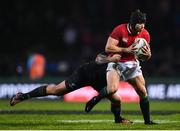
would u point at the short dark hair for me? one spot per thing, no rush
(137, 17)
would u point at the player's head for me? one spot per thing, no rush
(137, 20)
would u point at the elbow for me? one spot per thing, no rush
(107, 49)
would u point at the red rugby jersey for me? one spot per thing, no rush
(122, 34)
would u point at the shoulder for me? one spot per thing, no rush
(118, 31)
(121, 26)
(145, 32)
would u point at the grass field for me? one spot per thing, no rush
(59, 115)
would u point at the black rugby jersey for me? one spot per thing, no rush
(88, 74)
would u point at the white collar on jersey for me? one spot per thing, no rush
(128, 29)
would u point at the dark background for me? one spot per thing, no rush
(70, 32)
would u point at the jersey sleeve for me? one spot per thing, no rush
(116, 33)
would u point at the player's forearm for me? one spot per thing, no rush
(101, 59)
(115, 49)
(112, 46)
(114, 58)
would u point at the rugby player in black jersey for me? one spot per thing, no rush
(89, 74)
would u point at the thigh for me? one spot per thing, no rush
(138, 84)
(112, 77)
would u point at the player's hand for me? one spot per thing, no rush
(114, 58)
(100, 58)
(146, 51)
(130, 49)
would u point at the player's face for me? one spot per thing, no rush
(139, 27)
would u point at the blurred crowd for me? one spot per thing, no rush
(70, 32)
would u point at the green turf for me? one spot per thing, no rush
(104, 105)
(39, 121)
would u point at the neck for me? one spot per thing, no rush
(132, 30)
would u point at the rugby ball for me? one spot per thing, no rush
(139, 43)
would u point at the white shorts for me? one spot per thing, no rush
(126, 70)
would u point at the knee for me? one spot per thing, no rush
(59, 91)
(51, 89)
(143, 93)
(112, 89)
(56, 92)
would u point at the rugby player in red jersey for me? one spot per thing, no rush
(127, 69)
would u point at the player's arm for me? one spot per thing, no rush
(105, 58)
(112, 46)
(147, 49)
